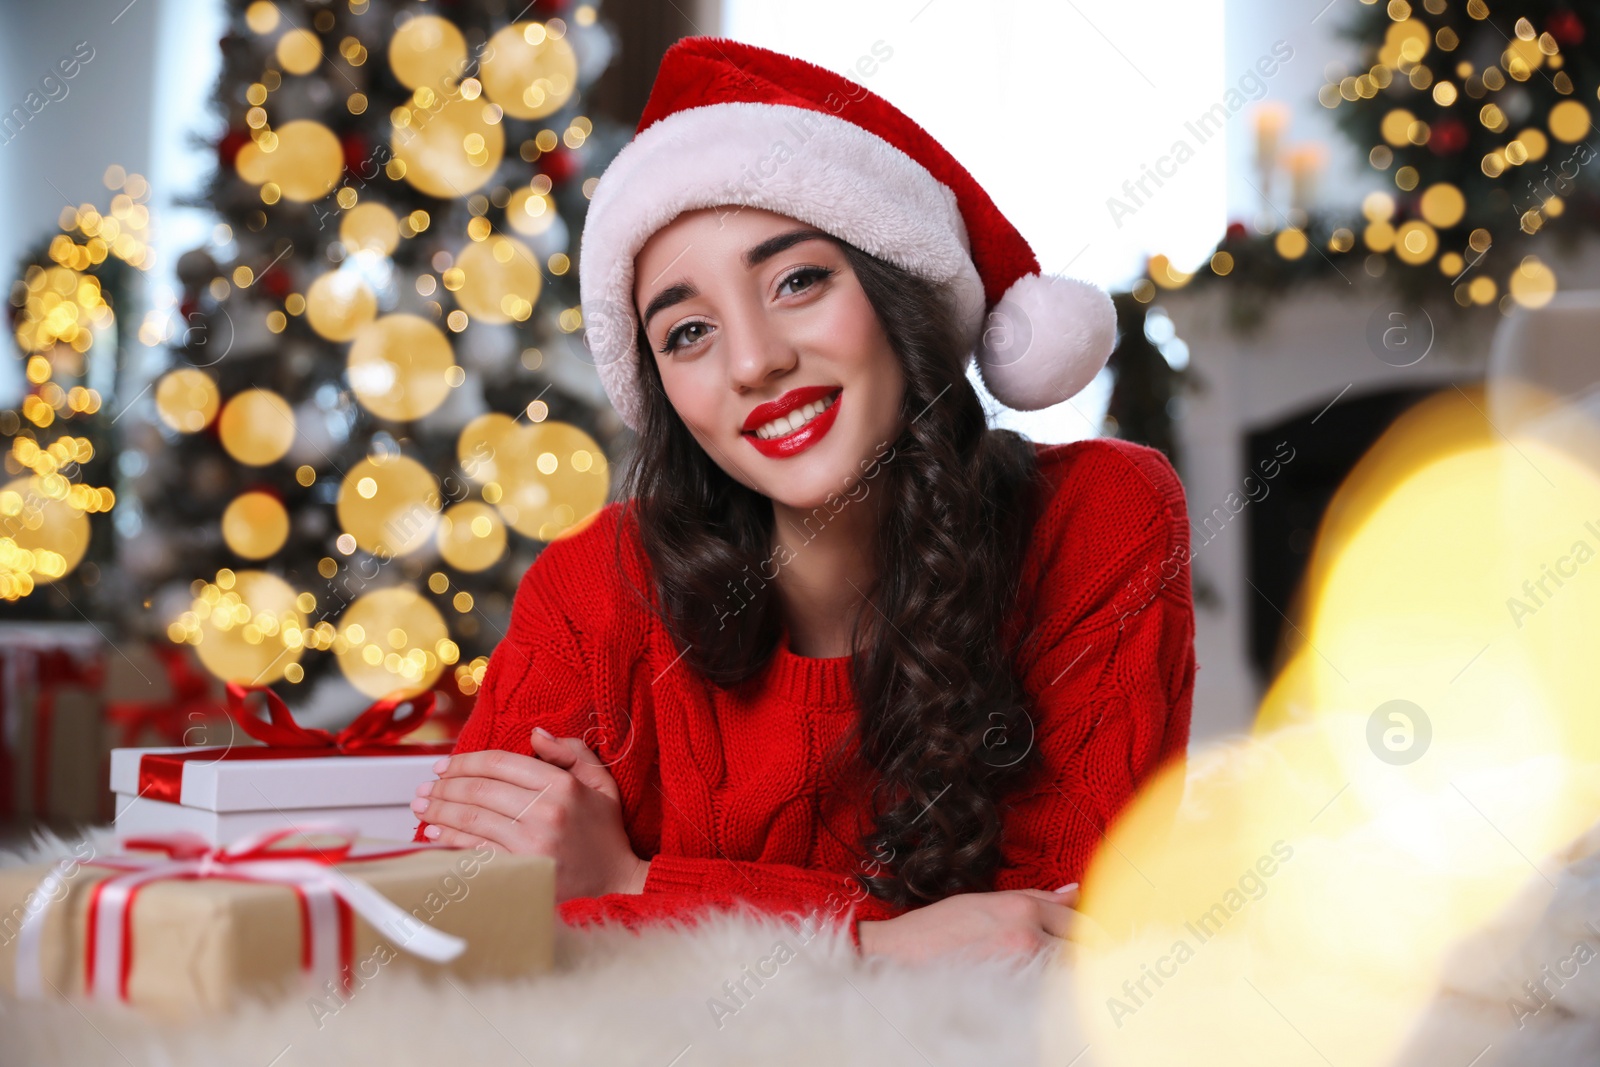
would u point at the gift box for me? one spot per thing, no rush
(178, 928)
(363, 777)
(58, 724)
(51, 675)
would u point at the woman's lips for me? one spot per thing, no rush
(800, 439)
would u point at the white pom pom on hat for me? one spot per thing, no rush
(730, 123)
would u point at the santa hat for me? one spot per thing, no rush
(731, 123)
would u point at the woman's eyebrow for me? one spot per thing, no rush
(760, 253)
(753, 257)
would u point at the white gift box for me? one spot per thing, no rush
(223, 800)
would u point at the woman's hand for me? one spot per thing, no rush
(560, 802)
(1007, 923)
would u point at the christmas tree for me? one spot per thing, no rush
(1478, 121)
(55, 536)
(378, 407)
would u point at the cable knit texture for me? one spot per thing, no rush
(721, 793)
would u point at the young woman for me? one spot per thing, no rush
(839, 647)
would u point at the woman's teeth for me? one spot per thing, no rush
(795, 419)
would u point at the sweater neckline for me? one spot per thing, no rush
(810, 680)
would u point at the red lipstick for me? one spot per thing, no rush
(800, 439)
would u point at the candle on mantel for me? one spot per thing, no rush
(1271, 119)
(1304, 163)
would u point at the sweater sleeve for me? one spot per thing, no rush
(681, 887)
(1112, 679)
(538, 650)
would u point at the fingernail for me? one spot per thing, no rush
(430, 832)
(424, 789)
(1069, 885)
(419, 805)
(543, 732)
(438, 768)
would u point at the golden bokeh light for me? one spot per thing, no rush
(299, 51)
(425, 51)
(255, 524)
(43, 536)
(393, 640)
(499, 280)
(472, 536)
(261, 16)
(1331, 866)
(1415, 242)
(448, 149)
(1291, 243)
(552, 480)
(527, 72)
(1569, 121)
(1443, 205)
(483, 444)
(187, 399)
(389, 504)
(370, 227)
(245, 627)
(1533, 283)
(256, 427)
(304, 164)
(1164, 274)
(530, 213)
(339, 303)
(399, 366)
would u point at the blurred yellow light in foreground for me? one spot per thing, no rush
(1430, 743)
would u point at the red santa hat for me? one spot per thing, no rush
(731, 123)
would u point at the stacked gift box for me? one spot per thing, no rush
(68, 697)
(180, 928)
(281, 860)
(277, 773)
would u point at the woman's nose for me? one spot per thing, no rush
(759, 354)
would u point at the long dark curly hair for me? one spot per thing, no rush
(942, 720)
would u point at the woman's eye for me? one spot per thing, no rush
(676, 332)
(817, 273)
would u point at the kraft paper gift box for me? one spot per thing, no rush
(198, 944)
(362, 777)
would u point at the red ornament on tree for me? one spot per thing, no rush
(276, 283)
(228, 147)
(1236, 232)
(559, 165)
(355, 152)
(1449, 136)
(1566, 27)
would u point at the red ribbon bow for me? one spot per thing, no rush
(378, 726)
(375, 732)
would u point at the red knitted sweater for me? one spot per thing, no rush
(722, 793)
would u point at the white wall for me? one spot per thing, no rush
(1310, 28)
(147, 84)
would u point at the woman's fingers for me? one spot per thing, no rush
(455, 838)
(502, 798)
(528, 772)
(472, 821)
(1059, 921)
(1070, 898)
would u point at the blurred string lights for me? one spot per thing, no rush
(1479, 128)
(61, 310)
(537, 476)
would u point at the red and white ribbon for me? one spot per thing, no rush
(326, 895)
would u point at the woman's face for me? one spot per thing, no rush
(769, 351)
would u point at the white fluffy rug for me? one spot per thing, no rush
(616, 997)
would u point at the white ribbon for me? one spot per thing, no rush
(320, 883)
